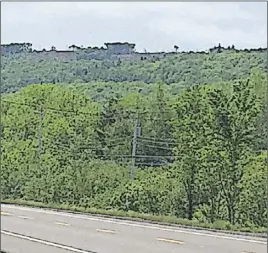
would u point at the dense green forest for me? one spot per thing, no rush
(179, 70)
(201, 130)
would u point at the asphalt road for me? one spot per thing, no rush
(33, 230)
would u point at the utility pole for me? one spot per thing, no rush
(40, 144)
(40, 132)
(136, 133)
(75, 139)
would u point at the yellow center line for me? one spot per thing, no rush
(107, 231)
(62, 224)
(26, 218)
(5, 214)
(170, 240)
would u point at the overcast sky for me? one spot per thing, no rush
(151, 26)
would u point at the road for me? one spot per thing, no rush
(32, 230)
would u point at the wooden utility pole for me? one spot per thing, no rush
(136, 133)
(40, 144)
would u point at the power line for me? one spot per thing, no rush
(156, 141)
(50, 108)
(151, 146)
(87, 113)
(89, 146)
(126, 156)
(154, 164)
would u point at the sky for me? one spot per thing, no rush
(152, 26)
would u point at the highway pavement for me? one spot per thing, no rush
(34, 230)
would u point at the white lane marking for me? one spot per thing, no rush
(26, 217)
(107, 220)
(62, 223)
(170, 241)
(106, 231)
(44, 242)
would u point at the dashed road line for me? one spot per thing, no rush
(26, 217)
(170, 240)
(106, 231)
(62, 224)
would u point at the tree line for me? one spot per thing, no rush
(179, 70)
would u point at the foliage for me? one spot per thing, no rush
(61, 147)
(179, 70)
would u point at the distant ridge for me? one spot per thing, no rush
(113, 48)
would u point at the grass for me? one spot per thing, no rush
(219, 226)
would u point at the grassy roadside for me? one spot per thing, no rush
(219, 226)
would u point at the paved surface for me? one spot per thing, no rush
(12, 244)
(33, 230)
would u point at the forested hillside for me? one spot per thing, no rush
(178, 70)
(200, 149)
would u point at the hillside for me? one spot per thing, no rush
(198, 121)
(179, 70)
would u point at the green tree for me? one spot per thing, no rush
(235, 118)
(189, 132)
